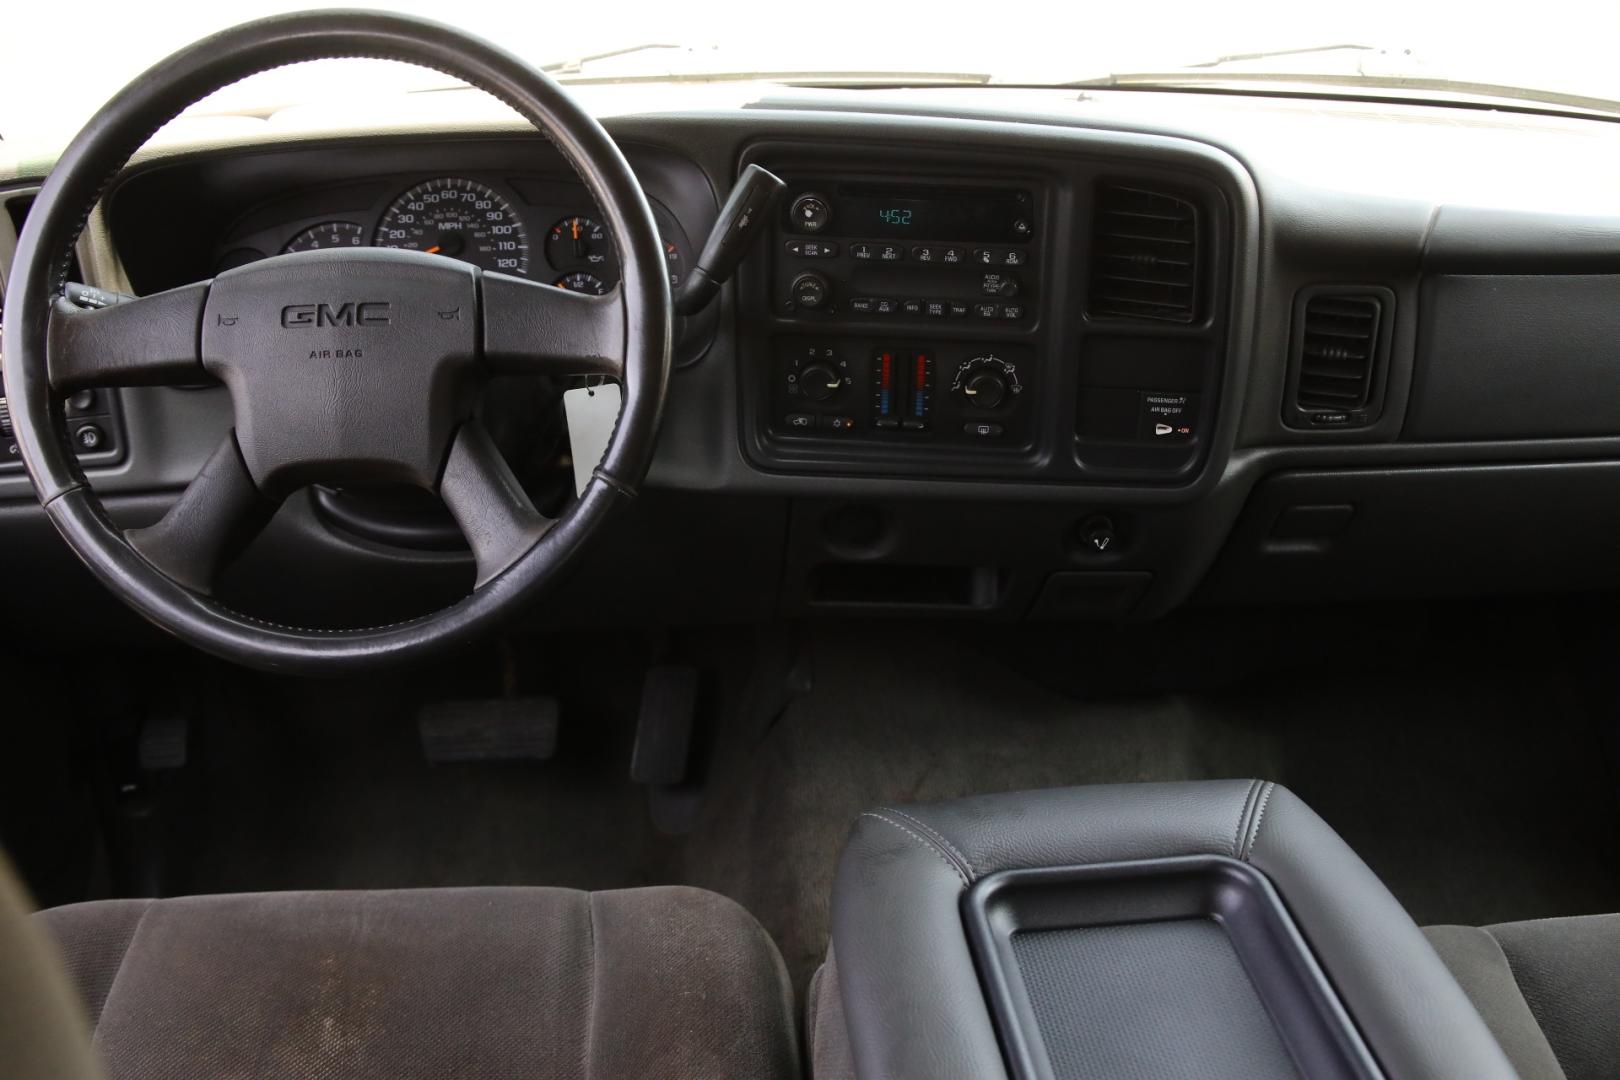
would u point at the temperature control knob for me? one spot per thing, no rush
(810, 291)
(986, 382)
(985, 389)
(819, 382)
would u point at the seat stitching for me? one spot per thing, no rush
(590, 993)
(930, 845)
(937, 836)
(1259, 819)
(1243, 816)
(112, 987)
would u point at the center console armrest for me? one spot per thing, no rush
(914, 996)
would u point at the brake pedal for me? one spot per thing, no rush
(669, 701)
(502, 729)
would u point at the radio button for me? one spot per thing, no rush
(936, 309)
(987, 311)
(924, 254)
(959, 309)
(886, 307)
(912, 307)
(985, 256)
(811, 213)
(1012, 311)
(862, 305)
(950, 256)
(861, 251)
(820, 249)
(995, 283)
(891, 253)
(1013, 257)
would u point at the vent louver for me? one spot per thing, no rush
(1144, 255)
(1338, 350)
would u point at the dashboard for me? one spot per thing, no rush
(531, 226)
(1001, 354)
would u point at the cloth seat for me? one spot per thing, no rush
(470, 983)
(1549, 990)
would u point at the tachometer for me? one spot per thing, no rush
(328, 234)
(460, 219)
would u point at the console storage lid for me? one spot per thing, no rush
(906, 973)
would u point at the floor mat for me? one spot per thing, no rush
(1448, 745)
(1461, 766)
(300, 784)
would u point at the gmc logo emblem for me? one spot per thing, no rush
(353, 313)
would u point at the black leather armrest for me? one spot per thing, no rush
(910, 991)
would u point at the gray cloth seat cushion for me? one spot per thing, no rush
(1548, 989)
(471, 983)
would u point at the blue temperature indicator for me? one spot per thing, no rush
(895, 217)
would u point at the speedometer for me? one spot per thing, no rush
(460, 219)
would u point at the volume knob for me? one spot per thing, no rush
(810, 213)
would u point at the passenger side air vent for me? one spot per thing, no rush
(1144, 255)
(1340, 350)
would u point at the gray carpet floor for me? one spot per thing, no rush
(1472, 781)
(1459, 760)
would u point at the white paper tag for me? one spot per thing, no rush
(591, 413)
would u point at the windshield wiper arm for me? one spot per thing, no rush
(576, 64)
(1237, 58)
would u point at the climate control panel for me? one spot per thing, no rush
(902, 391)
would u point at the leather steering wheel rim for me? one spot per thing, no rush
(48, 351)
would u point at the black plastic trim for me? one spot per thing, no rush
(1290, 983)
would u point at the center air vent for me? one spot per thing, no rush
(1144, 255)
(1340, 345)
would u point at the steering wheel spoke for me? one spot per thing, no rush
(146, 341)
(535, 329)
(217, 516)
(485, 498)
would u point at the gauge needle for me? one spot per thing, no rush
(434, 250)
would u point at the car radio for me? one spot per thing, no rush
(909, 311)
(910, 253)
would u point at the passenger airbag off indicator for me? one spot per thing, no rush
(1167, 416)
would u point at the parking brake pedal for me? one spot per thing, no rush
(502, 729)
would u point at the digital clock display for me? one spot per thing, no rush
(997, 215)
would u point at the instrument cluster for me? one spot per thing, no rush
(531, 227)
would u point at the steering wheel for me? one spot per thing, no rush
(343, 366)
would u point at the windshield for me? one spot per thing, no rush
(55, 70)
